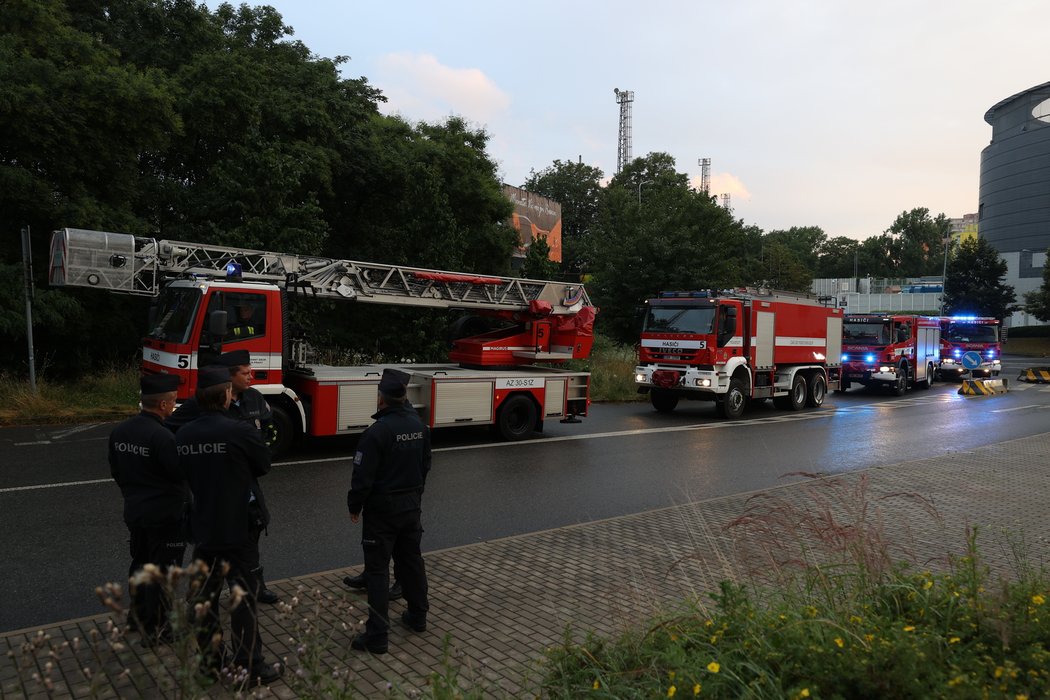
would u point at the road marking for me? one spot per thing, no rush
(70, 431)
(35, 487)
(1017, 408)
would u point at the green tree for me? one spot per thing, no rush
(538, 265)
(578, 188)
(974, 282)
(804, 242)
(918, 243)
(781, 267)
(839, 257)
(1037, 302)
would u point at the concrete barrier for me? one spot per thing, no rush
(983, 387)
(1035, 375)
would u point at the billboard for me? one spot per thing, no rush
(535, 216)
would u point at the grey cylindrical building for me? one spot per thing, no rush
(1014, 208)
(1014, 211)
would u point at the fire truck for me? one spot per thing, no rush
(211, 299)
(734, 347)
(964, 334)
(893, 352)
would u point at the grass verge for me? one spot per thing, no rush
(106, 395)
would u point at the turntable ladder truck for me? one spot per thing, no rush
(211, 299)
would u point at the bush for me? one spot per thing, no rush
(1028, 332)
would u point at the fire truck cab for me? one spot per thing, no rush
(964, 334)
(892, 352)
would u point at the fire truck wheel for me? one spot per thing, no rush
(901, 385)
(928, 382)
(818, 389)
(796, 399)
(843, 386)
(517, 418)
(284, 434)
(732, 405)
(662, 400)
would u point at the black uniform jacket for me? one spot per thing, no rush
(144, 463)
(222, 457)
(393, 458)
(251, 407)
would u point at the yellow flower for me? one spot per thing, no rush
(708, 623)
(839, 642)
(804, 693)
(670, 675)
(855, 620)
(953, 640)
(1038, 599)
(869, 637)
(713, 667)
(909, 628)
(927, 585)
(1020, 696)
(811, 611)
(674, 637)
(696, 689)
(671, 691)
(596, 685)
(998, 672)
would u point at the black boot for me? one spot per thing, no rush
(265, 595)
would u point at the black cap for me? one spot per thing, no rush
(212, 375)
(158, 383)
(393, 383)
(235, 358)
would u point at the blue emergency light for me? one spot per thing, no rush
(233, 271)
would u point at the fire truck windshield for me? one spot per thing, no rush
(678, 319)
(173, 314)
(971, 333)
(870, 332)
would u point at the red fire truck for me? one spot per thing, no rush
(737, 346)
(964, 334)
(892, 352)
(211, 299)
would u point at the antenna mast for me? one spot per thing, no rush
(624, 98)
(705, 175)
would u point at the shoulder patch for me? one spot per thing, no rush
(358, 456)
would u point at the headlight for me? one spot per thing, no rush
(639, 378)
(884, 369)
(948, 361)
(870, 359)
(703, 382)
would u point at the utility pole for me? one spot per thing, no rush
(944, 271)
(27, 262)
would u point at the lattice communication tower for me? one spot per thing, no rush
(725, 201)
(624, 98)
(705, 175)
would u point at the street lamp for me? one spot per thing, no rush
(647, 182)
(944, 271)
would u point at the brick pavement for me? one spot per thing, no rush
(497, 605)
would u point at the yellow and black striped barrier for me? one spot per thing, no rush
(1036, 375)
(982, 387)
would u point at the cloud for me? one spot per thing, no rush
(419, 87)
(724, 183)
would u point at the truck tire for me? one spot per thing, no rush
(662, 400)
(284, 432)
(843, 386)
(928, 382)
(796, 398)
(901, 385)
(818, 389)
(732, 405)
(517, 418)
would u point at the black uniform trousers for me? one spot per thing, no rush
(395, 533)
(244, 623)
(162, 545)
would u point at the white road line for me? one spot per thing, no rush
(1017, 408)
(70, 431)
(36, 487)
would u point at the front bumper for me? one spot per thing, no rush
(690, 379)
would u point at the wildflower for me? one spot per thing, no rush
(804, 693)
(953, 640)
(909, 628)
(927, 585)
(713, 667)
(839, 642)
(855, 620)
(670, 675)
(998, 672)
(1038, 599)
(696, 689)
(708, 623)
(671, 691)
(596, 685)
(811, 611)
(1020, 696)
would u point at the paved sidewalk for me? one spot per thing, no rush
(499, 604)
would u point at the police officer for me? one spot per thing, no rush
(390, 470)
(250, 406)
(222, 458)
(144, 463)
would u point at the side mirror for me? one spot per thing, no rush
(217, 323)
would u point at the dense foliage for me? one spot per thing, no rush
(975, 282)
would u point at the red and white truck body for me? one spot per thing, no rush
(201, 309)
(733, 347)
(964, 334)
(890, 351)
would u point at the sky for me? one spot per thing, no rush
(821, 113)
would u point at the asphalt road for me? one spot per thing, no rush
(62, 533)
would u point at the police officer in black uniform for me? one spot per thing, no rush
(144, 463)
(250, 406)
(222, 458)
(390, 471)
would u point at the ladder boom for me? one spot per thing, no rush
(131, 264)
